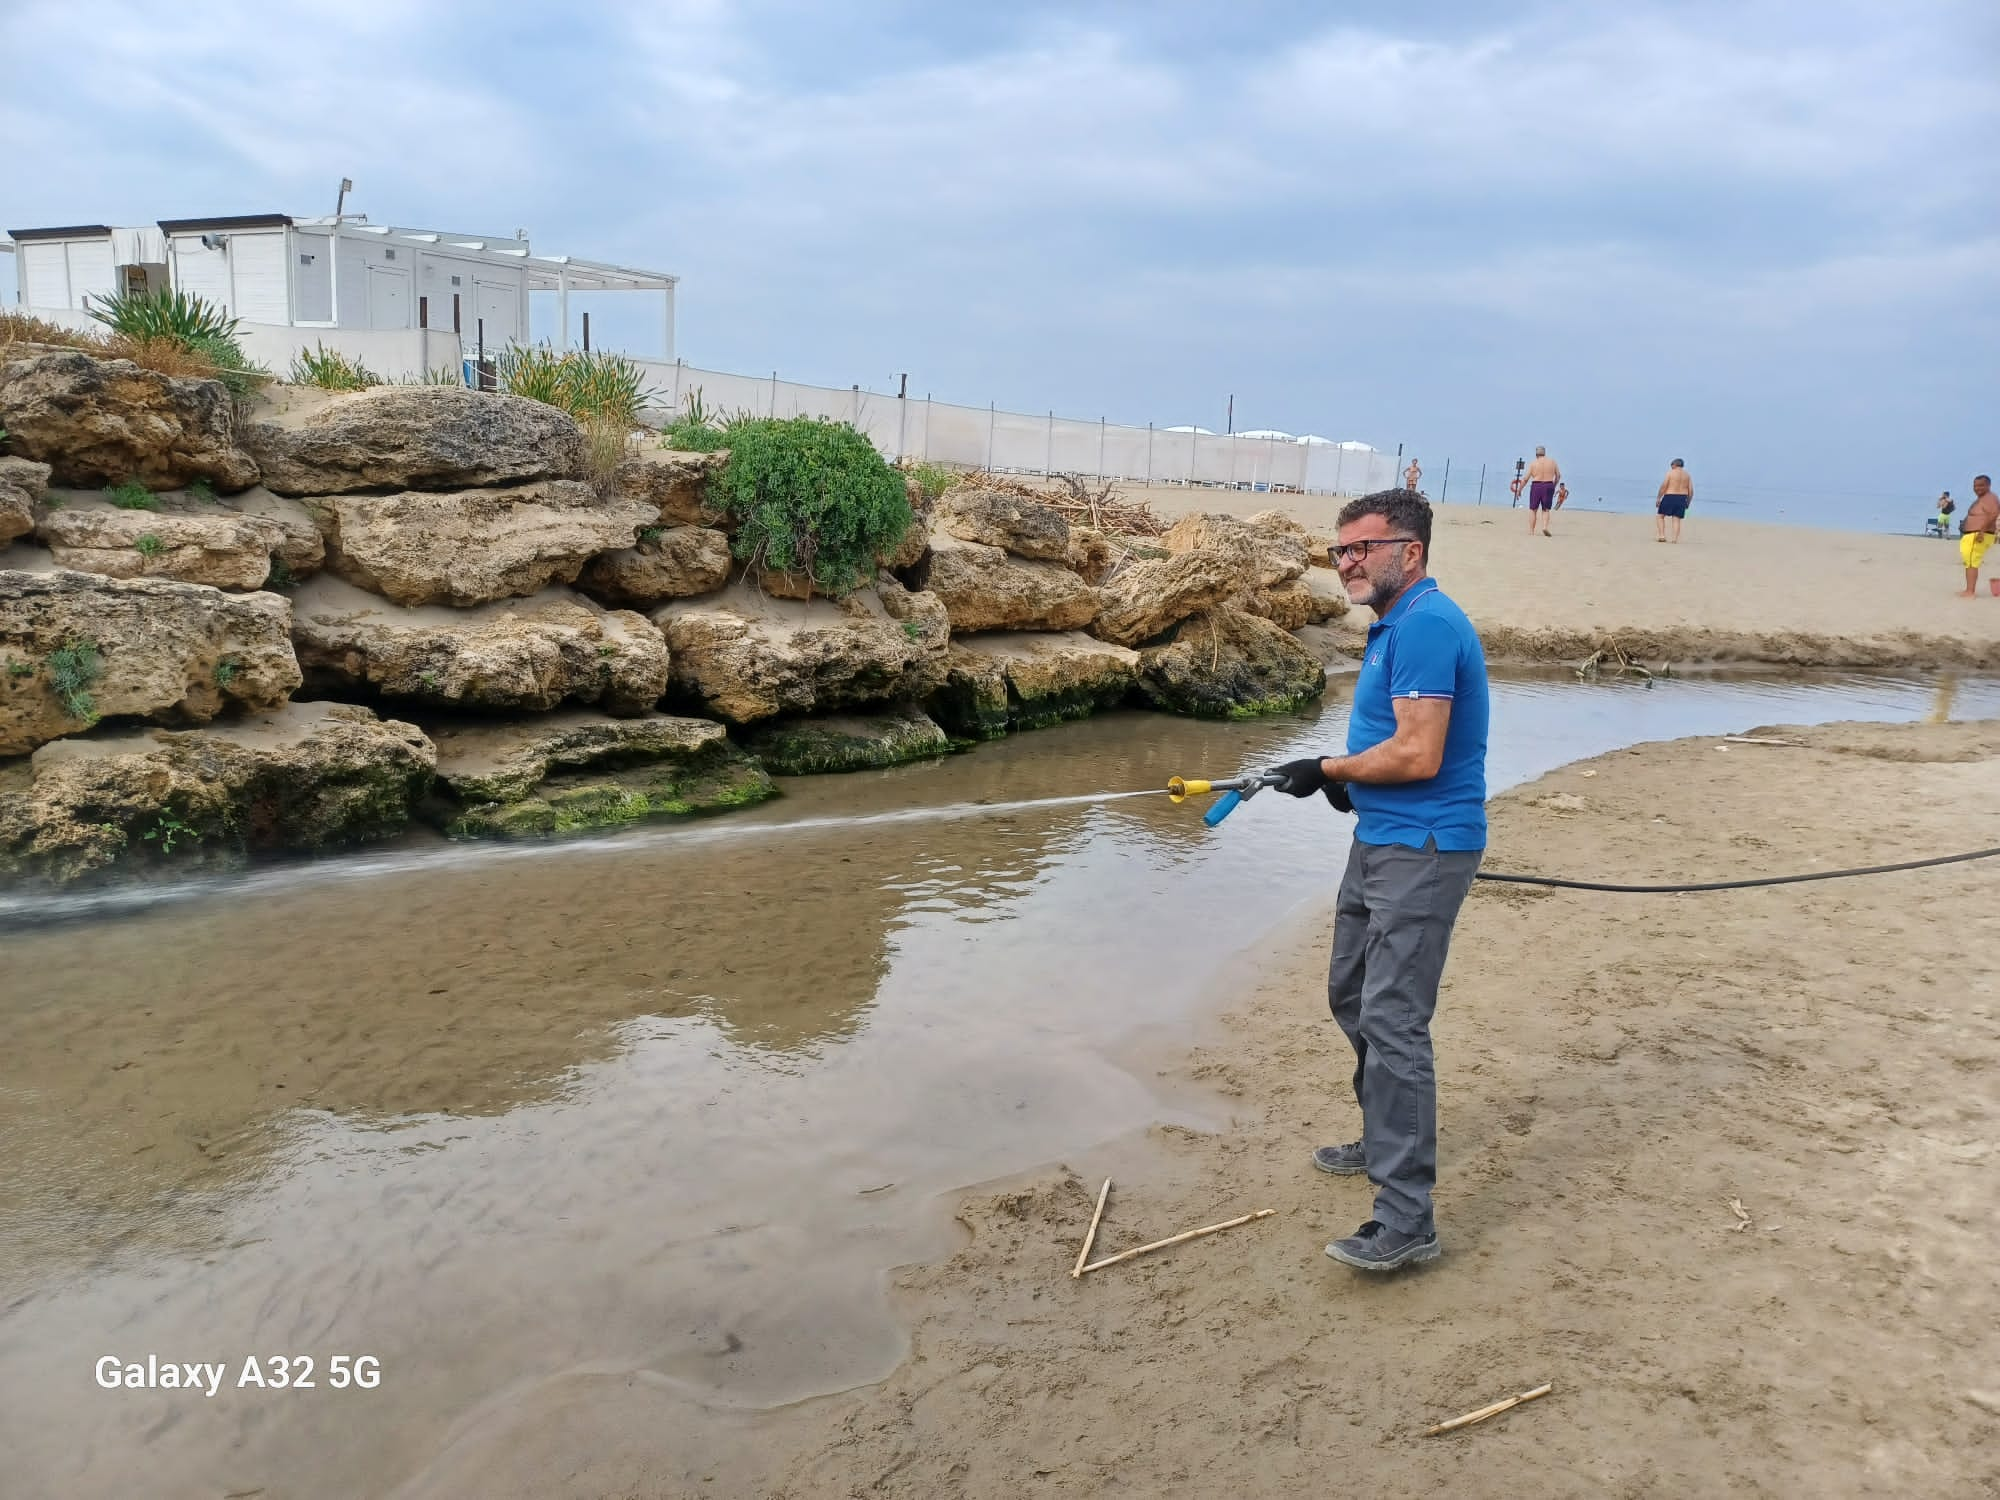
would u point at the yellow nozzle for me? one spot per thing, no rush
(1179, 790)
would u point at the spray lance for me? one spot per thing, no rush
(1241, 789)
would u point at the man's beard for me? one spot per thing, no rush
(1387, 585)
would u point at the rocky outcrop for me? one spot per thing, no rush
(994, 518)
(1009, 681)
(1149, 597)
(1275, 521)
(467, 547)
(673, 486)
(1091, 556)
(1319, 550)
(1226, 664)
(79, 647)
(23, 483)
(303, 776)
(574, 771)
(1281, 554)
(743, 656)
(846, 742)
(106, 421)
(1311, 599)
(504, 760)
(300, 552)
(670, 564)
(220, 548)
(917, 538)
(311, 442)
(528, 654)
(983, 588)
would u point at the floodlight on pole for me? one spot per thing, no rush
(339, 203)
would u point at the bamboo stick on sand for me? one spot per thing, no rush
(1191, 1234)
(1091, 1238)
(1488, 1411)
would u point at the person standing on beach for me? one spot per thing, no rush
(1543, 477)
(1411, 475)
(1671, 504)
(1976, 532)
(1415, 777)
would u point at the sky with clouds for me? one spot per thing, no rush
(1761, 236)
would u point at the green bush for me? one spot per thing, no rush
(331, 370)
(693, 431)
(933, 479)
(585, 384)
(149, 545)
(811, 496)
(189, 323)
(131, 495)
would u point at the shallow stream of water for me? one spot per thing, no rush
(670, 1102)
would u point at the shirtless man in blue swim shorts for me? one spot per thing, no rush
(1676, 494)
(1543, 476)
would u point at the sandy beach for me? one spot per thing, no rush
(1730, 591)
(1718, 1168)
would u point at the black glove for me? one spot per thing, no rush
(1336, 793)
(1302, 777)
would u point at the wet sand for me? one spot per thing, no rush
(1729, 591)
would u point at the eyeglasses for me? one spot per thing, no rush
(1359, 550)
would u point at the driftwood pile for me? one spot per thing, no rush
(1092, 503)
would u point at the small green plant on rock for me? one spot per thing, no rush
(202, 490)
(20, 669)
(149, 546)
(226, 671)
(651, 533)
(72, 669)
(913, 630)
(811, 496)
(280, 576)
(131, 495)
(168, 830)
(932, 479)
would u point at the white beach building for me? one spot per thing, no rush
(296, 281)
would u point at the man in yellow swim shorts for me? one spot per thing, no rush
(1976, 531)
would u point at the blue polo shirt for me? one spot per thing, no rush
(1424, 647)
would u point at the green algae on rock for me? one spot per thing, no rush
(1227, 664)
(1004, 681)
(847, 742)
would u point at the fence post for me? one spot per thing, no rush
(1482, 486)
(1100, 447)
(1149, 455)
(586, 333)
(1446, 491)
(927, 427)
(678, 365)
(1049, 453)
(774, 395)
(992, 411)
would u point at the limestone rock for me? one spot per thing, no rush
(1307, 600)
(917, 540)
(1024, 527)
(1274, 520)
(222, 549)
(1091, 556)
(78, 647)
(300, 552)
(1281, 555)
(743, 656)
(1027, 680)
(1319, 550)
(673, 485)
(520, 654)
(467, 547)
(301, 776)
(311, 442)
(1151, 596)
(846, 742)
(504, 760)
(105, 421)
(680, 561)
(1226, 664)
(573, 770)
(23, 482)
(983, 588)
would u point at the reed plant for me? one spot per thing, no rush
(331, 370)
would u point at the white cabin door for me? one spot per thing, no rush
(498, 304)
(388, 298)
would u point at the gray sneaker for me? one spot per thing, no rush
(1377, 1247)
(1342, 1161)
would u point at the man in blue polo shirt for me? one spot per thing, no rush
(1415, 777)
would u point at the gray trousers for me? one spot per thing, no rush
(1390, 936)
